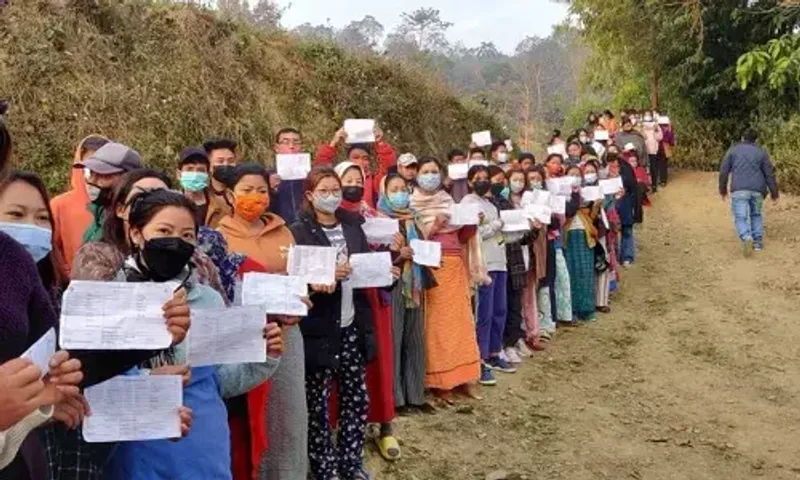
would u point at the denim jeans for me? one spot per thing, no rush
(492, 312)
(746, 206)
(627, 244)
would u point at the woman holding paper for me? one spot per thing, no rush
(264, 238)
(542, 268)
(338, 333)
(452, 357)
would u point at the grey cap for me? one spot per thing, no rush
(113, 158)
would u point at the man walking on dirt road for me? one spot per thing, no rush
(752, 176)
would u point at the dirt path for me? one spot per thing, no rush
(694, 375)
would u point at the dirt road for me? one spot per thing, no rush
(695, 374)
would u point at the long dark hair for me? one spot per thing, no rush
(51, 268)
(113, 226)
(146, 205)
(5, 139)
(315, 176)
(474, 171)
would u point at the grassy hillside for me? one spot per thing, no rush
(159, 77)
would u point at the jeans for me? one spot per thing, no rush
(627, 244)
(492, 311)
(746, 206)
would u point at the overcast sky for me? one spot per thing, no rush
(504, 22)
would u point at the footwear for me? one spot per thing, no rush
(361, 475)
(748, 248)
(562, 324)
(497, 363)
(627, 264)
(512, 356)
(487, 376)
(758, 245)
(545, 336)
(604, 309)
(522, 349)
(389, 448)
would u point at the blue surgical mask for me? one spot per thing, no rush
(506, 193)
(37, 241)
(328, 204)
(429, 181)
(399, 199)
(537, 185)
(194, 181)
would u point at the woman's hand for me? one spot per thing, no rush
(481, 218)
(71, 411)
(20, 384)
(177, 313)
(378, 133)
(398, 242)
(64, 373)
(620, 193)
(396, 273)
(187, 417)
(274, 182)
(343, 271)
(536, 224)
(407, 253)
(183, 370)
(338, 137)
(319, 288)
(274, 336)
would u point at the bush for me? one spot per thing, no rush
(159, 76)
(782, 139)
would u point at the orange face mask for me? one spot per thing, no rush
(251, 206)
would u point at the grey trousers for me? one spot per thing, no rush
(409, 351)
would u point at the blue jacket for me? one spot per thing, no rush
(287, 201)
(750, 169)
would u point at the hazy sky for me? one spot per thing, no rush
(504, 22)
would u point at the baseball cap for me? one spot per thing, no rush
(113, 158)
(406, 160)
(189, 153)
(629, 147)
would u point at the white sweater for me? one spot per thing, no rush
(12, 438)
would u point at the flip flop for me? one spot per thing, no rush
(389, 448)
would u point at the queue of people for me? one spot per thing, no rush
(340, 375)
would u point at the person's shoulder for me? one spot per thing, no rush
(13, 256)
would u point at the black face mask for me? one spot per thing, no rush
(353, 193)
(497, 189)
(225, 174)
(164, 258)
(481, 187)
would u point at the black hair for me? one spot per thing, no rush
(146, 205)
(286, 130)
(219, 144)
(358, 146)
(593, 163)
(243, 170)
(527, 156)
(496, 146)
(556, 134)
(554, 155)
(455, 153)
(536, 168)
(750, 135)
(93, 143)
(425, 160)
(194, 160)
(494, 170)
(579, 144)
(476, 150)
(5, 138)
(391, 176)
(113, 226)
(608, 113)
(476, 169)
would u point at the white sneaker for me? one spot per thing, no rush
(523, 349)
(512, 356)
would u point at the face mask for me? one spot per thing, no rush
(506, 193)
(98, 195)
(225, 174)
(399, 199)
(194, 181)
(429, 181)
(251, 206)
(517, 186)
(576, 181)
(584, 139)
(327, 204)
(536, 185)
(37, 241)
(502, 158)
(353, 193)
(482, 187)
(165, 258)
(497, 189)
(590, 178)
(648, 119)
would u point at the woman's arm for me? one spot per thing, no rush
(238, 379)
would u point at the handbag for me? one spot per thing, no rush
(601, 264)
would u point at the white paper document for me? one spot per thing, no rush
(536, 197)
(360, 130)
(278, 294)
(371, 270)
(482, 139)
(464, 213)
(227, 335)
(515, 221)
(115, 316)
(591, 194)
(317, 265)
(458, 171)
(42, 351)
(601, 135)
(509, 145)
(482, 163)
(380, 231)
(558, 149)
(542, 213)
(559, 204)
(426, 253)
(611, 186)
(293, 166)
(130, 408)
(560, 186)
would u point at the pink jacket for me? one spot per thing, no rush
(652, 136)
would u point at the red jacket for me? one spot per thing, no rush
(387, 157)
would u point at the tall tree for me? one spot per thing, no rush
(361, 35)
(425, 28)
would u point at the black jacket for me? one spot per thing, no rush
(322, 327)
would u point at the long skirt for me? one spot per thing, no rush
(451, 347)
(380, 372)
(580, 261)
(409, 351)
(530, 311)
(603, 281)
(563, 289)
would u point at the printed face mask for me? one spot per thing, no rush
(429, 181)
(37, 241)
(194, 181)
(251, 206)
(328, 203)
(165, 258)
(399, 199)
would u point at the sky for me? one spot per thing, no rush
(504, 22)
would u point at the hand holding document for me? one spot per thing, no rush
(115, 316)
(591, 194)
(371, 270)
(227, 335)
(515, 221)
(380, 231)
(457, 171)
(611, 186)
(482, 139)
(278, 294)
(601, 135)
(536, 197)
(131, 408)
(293, 166)
(426, 253)
(464, 214)
(560, 186)
(558, 149)
(42, 351)
(317, 265)
(559, 204)
(542, 213)
(360, 130)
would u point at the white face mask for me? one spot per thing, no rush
(591, 178)
(517, 186)
(502, 158)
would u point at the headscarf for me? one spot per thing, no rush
(361, 207)
(412, 273)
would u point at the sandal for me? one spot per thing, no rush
(361, 475)
(389, 448)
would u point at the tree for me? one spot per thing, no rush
(267, 14)
(425, 28)
(320, 33)
(362, 35)
(487, 50)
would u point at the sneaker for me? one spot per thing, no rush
(487, 376)
(512, 356)
(626, 264)
(522, 349)
(748, 248)
(497, 363)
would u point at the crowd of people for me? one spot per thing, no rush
(340, 375)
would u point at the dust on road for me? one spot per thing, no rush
(695, 374)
